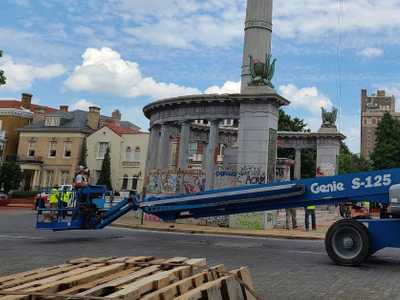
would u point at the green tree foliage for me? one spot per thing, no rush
(350, 162)
(10, 176)
(105, 173)
(2, 76)
(308, 156)
(387, 150)
(287, 123)
(82, 159)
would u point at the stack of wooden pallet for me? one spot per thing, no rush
(141, 277)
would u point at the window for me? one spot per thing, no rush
(128, 154)
(52, 121)
(134, 183)
(137, 154)
(103, 146)
(31, 149)
(64, 178)
(67, 149)
(124, 186)
(52, 149)
(49, 178)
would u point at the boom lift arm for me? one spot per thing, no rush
(348, 242)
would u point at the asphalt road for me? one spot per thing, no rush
(281, 269)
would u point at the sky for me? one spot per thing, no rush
(127, 53)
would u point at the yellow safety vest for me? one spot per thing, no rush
(53, 196)
(66, 197)
(365, 204)
(311, 207)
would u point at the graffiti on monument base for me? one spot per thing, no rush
(248, 221)
(194, 181)
(326, 169)
(255, 221)
(225, 178)
(219, 221)
(172, 182)
(250, 175)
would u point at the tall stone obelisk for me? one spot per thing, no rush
(257, 40)
(260, 104)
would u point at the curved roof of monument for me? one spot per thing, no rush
(234, 99)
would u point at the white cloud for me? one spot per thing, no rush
(307, 99)
(371, 52)
(219, 23)
(103, 70)
(305, 18)
(229, 87)
(83, 104)
(21, 76)
(184, 24)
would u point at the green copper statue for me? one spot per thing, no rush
(262, 73)
(329, 118)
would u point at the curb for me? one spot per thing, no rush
(211, 232)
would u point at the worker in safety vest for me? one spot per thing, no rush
(65, 198)
(310, 211)
(54, 197)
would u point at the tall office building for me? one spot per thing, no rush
(373, 107)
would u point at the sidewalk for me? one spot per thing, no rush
(129, 221)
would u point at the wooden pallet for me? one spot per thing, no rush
(130, 278)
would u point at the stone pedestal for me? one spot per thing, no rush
(257, 119)
(328, 149)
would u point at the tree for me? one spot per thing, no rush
(350, 162)
(2, 76)
(387, 149)
(308, 156)
(82, 159)
(10, 176)
(287, 123)
(105, 173)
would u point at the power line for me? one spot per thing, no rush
(339, 60)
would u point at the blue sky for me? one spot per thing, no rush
(126, 53)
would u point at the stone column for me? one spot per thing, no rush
(153, 148)
(163, 148)
(34, 180)
(184, 145)
(297, 164)
(257, 38)
(213, 140)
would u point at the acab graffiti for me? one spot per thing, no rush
(251, 175)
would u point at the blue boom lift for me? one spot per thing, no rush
(348, 242)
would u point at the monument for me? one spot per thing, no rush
(191, 149)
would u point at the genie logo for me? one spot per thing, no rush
(327, 188)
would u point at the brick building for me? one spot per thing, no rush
(15, 114)
(373, 107)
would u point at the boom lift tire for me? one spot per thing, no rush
(348, 243)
